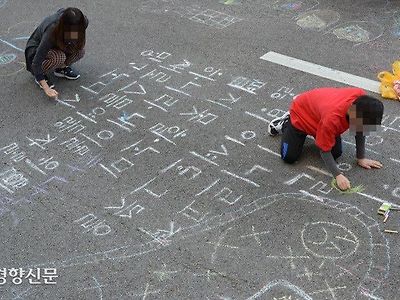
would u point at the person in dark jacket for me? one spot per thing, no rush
(55, 45)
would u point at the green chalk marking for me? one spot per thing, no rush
(385, 207)
(352, 190)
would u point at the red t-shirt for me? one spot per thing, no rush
(321, 113)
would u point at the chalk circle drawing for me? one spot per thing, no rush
(7, 58)
(319, 19)
(344, 167)
(329, 240)
(373, 140)
(316, 248)
(359, 32)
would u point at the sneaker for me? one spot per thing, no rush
(276, 125)
(66, 72)
(49, 83)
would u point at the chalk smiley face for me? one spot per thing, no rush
(329, 240)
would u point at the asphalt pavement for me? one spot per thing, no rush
(153, 177)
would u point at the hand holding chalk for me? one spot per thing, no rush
(51, 93)
(342, 182)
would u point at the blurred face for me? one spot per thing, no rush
(357, 124)
(71, 35)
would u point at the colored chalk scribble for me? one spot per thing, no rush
(359, 32)
(292, 5)
(353, 33)
(317, 19)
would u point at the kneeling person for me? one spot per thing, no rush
(325, 114)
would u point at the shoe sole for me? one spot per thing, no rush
(65, 76)
(272, 130)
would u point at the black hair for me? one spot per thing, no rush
(369, 109)
(71, 18)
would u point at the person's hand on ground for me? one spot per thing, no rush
(342, 182)
(369, 163)
(51, 93)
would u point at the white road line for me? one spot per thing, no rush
(318, 70)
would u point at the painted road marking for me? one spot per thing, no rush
(318, 70)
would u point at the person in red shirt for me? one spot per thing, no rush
(325, 114)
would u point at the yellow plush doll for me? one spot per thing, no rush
(390, 82)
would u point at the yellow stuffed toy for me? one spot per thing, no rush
(390, 83)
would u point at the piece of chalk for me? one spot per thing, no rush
(391, 231)
(386, 217)
(384, 208)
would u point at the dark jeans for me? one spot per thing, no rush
(293, 140)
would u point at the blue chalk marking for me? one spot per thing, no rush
(284, 149)
(123, 116)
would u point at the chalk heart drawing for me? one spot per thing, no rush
(317, 19)
(358, 31)
(296, 252)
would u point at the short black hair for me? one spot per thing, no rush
(369, 109)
